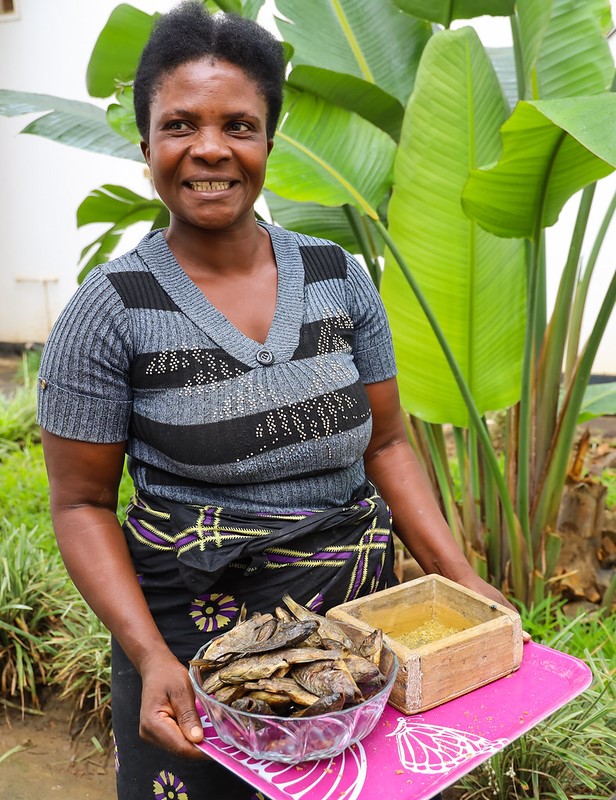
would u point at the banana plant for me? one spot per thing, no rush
(405, 139)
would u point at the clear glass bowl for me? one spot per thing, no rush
(294, 739)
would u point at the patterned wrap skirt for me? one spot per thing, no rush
(197, 566)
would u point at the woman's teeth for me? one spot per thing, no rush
(209, 186)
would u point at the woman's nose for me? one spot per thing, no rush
(210, 146)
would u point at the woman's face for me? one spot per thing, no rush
(208, 145)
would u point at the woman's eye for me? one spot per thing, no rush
(177, 125)
(239, 127)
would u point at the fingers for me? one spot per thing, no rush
(163, 731)
(188, 720)
(169, 718)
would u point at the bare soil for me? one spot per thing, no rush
(39, 758)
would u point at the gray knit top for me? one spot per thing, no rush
(210, 416)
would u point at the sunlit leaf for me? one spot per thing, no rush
(121, 116)
(69, 122)
(123, 208)
(564, 48)
(374, 42)
(354, 94)
(473, 281)
(117, 49)
(308, 164)
(503, 61)
(599, 401)
(445, 11)
(551, 150)
(312, 219)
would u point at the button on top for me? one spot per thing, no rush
(265, 357)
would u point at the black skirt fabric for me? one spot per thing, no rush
(198, 566)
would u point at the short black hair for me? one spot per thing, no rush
(189, 33)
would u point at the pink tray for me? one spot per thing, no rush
(415, 757)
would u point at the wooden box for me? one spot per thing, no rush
(456, 639)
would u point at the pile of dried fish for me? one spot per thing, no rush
(293, 663)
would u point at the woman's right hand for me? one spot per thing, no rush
(169, 718)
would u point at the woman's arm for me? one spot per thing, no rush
(84, 480)
(393, 467)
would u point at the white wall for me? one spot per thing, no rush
(46, 50)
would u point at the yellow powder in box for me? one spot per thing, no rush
(426, 633)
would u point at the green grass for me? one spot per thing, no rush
(48, 635)
(33, 592)
(24, 490)
(608, 478)
(569, 756)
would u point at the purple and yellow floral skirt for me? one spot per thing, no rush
(197, 567)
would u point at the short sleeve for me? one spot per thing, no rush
(84, 379)
(372, 348)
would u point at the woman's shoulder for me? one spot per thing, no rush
(322, 258)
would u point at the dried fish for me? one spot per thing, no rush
(252, 668)
(372, 646)
(331, 702)
(328, 629)
(252, 706)
(328, 677)
(290, 663)
(229, 692)
(257, 628)
(363, 670)
(287, 686)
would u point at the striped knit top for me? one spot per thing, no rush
(209, 415)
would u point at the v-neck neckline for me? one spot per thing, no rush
(284, 332)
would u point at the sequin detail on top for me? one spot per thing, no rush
(211, 612)
(168, 786)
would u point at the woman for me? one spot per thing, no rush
(248, 374)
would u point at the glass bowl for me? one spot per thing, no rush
(291, 740)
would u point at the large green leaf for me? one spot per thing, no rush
(123, 208)
(564, 48)
(445, 11)
(354, 94)
(327, 155)
(312, 219)
(599, 400)
(121, 115)
(473, 281)
(551, 150)
(370, 39)
(117, 49)
(71, 122)
(503, 61)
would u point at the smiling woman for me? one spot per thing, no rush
(247, 373)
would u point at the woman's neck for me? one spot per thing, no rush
(213, 252)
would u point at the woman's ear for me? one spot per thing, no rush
(145, 149)
(270, 144)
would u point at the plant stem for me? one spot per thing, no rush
(354, 219)
(519, 59)
(582, 292)
(513, 530)
(549, 370)
(525, 419)
(554, 476)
